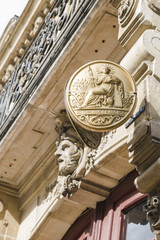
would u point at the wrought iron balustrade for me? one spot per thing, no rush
(58, 27)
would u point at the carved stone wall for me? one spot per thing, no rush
(139, 33)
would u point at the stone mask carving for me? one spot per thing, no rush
(69, 155)
(152, 209)
(70, 152)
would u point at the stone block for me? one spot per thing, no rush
(150, 179)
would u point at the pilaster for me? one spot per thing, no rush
(139, 33)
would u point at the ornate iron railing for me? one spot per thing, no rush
(58, 27)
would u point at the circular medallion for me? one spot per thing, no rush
(100, 96)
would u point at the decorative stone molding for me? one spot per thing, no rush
(27, 42)
(143, 183)
(135, 17)
(152, 209)
(126, 11)
(144, 132)
(37, 24)
(12, 24)
(8, 31)
(46, 10)
(8, 73)
(154, 5)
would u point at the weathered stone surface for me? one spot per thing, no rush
(135, 17)
(149, 180)
(9, 216)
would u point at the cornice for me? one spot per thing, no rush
(9, 189)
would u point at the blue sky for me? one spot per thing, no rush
(9, 8)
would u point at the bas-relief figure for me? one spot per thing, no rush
(108, 86)
(100, 96)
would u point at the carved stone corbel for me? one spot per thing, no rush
(72, 157)
(75, 158)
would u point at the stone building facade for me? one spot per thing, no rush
(52, 185)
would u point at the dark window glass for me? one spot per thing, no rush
(135, 225)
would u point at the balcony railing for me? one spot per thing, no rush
(58, 27)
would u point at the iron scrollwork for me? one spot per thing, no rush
(58, 26)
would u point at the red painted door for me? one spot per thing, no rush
(120, 217)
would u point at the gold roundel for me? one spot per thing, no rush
(100, 96)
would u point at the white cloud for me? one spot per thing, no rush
(9, 8)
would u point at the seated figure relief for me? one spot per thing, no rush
(107, 91)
